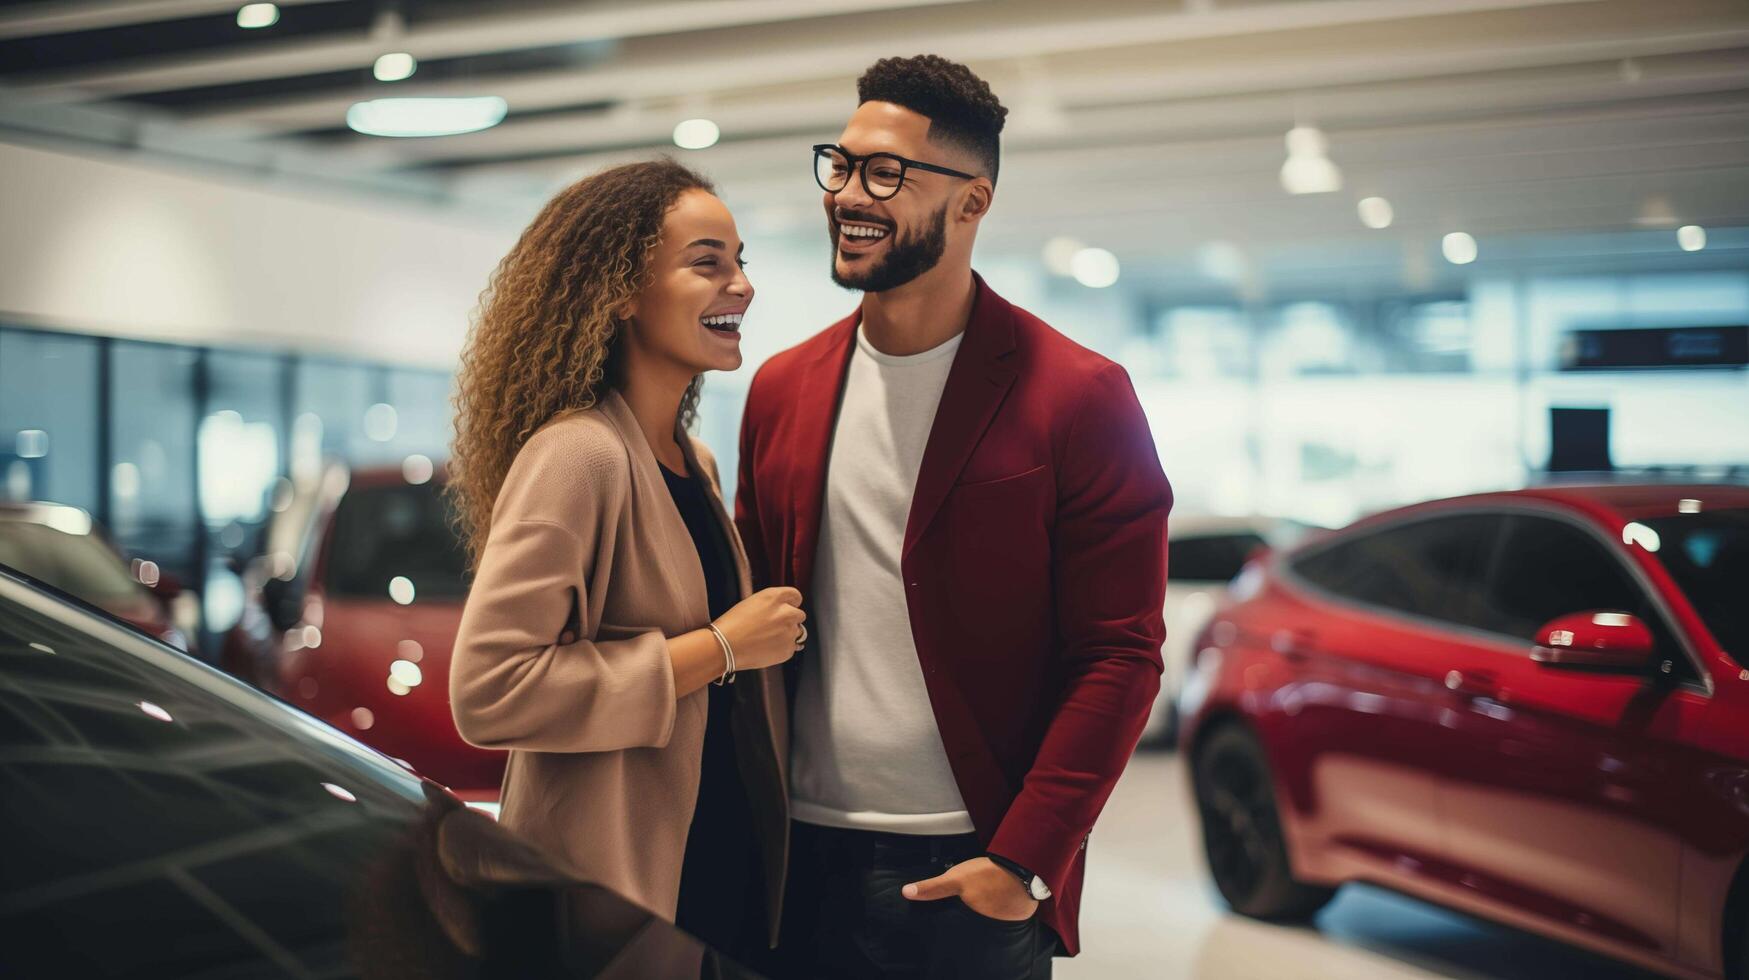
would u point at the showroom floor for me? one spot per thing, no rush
(1151, 912)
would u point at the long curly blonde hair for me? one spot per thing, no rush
(545, 339)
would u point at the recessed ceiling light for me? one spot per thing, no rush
(1375, 212)
(696, 134)
(1459, 248)
(252, 16)
(395, 66)
(1308, 169)
(1692, 238)
(1095, 268)
(1060, 254)
(426, 117)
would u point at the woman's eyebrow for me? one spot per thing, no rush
(708, 243)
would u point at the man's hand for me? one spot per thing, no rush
(986, 887)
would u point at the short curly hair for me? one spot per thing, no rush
(961, 108)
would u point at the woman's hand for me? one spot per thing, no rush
(764, 628)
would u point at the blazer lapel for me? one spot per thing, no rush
(976, 385)
(816, 414)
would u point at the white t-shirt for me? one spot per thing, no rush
(866, 753)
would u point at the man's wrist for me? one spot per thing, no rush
(1032, 883)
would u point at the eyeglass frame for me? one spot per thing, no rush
(860, 164)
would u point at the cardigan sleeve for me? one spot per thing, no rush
(529, 670)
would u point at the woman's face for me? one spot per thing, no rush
(689, 316)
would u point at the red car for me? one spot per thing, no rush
(1529, 706)
(370, 622)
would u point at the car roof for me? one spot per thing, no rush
(1624, 501)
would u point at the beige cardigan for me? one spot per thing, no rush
(604, 763)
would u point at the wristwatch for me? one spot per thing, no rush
(1034, 885)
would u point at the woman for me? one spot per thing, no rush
(609, 641)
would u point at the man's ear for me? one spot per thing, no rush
(978, 197)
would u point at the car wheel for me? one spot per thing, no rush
(1241, 831)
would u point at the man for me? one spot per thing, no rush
(973, 507)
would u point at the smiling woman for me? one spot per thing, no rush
(610, 610)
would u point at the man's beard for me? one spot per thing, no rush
(906, 259)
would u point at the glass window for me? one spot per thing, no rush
(395, 530)
(152, 426)
(1433, 567)
(1708, 556)
(1549, 568)
(329, 399)
(241, 450)
(1210, 558)
(48, 418)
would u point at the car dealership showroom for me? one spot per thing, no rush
(1304, 535)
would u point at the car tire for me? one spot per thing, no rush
(1241, 831)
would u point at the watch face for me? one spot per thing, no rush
(1038, 889)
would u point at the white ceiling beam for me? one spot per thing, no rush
(43, 19)
(1341, 105)
(970, 37)
(507, 30)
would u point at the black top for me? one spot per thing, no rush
(721, 895)
(694, 503)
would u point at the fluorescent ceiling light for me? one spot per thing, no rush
(696, 134)
(395, 66)
(257, 15)
(426, 117)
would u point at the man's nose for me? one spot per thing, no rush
(853, 195)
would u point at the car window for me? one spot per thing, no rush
(1210, 557)
(1707, 554)
(1432, 567)
(381, 533)
(1548, 567)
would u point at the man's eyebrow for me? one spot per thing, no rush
(709, 243)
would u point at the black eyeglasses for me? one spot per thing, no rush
(882, 173)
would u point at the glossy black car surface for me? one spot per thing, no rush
(162, 819)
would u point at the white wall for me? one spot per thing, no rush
(127, 248)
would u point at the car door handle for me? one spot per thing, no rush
(1471, 683)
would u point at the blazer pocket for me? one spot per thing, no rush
(1002, 482)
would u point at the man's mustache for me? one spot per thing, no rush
(844, 214)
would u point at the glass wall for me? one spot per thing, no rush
(185, 453)
(1322, 411)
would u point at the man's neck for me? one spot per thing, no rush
(921, 315)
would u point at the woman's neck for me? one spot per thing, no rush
(655, 403)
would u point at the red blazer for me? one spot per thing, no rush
(1034, 558)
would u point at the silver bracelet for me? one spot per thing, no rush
(728, 657)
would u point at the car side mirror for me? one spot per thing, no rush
(280, 600)
(1597, 639)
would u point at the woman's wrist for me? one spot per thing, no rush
(697, 660)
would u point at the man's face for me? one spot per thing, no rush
(909, 229)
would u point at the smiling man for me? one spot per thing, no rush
(973, 508)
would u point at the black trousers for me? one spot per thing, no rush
(845, 919)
